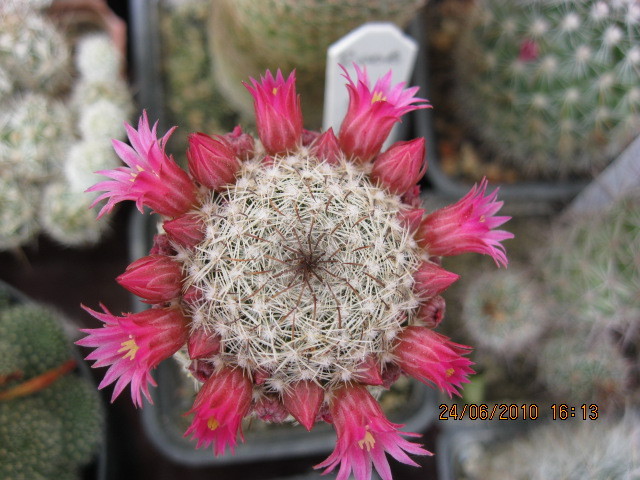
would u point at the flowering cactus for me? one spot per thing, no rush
(290, 271)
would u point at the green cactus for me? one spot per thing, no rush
(592, 267)
(18, 206)
(248, 37)
(49, 429)
(552, 87)
(66, 217)
(502, 312)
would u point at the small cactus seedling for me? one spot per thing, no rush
(553, 87)
(293, 269)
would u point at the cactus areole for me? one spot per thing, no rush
(295, 270)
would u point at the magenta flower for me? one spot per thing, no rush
(212, 161)
(155, 278)
(466, 226)
(242, 143)
(278, 112)
(133, 345)
(401, 167)
(202, 344)
(431, 280)
(186, 230)
(326, 147)
(221, 404)
(372, 113)
(432, 358)
(150, 178)
(303, 401)
(411, 218)
(365, 436)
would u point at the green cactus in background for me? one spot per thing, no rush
(50, 108)
(66, 217)
(552, 87)
(248, 37)
(601, 449)
(503, 312)
(51, 420)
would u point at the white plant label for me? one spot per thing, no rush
(379, 47)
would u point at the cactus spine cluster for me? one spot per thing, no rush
(57, 95)
(553, 87)
(51, 420)
(248, 37)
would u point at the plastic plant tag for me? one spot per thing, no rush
(379, 47)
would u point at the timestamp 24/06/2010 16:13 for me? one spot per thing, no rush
(514, 411)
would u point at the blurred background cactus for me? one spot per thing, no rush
(606, 448)
(552, 88)
(59, 91)
(51, 419)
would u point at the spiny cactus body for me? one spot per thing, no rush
(553, 87)
(18, 213)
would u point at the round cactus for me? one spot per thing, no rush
(66, 216)
(503, 313)
(34, 51)
(97, 58)
(248, 37)
(586, 369)
(592, 267)
(553, 87)
(101, 120)
(18, 207)
(84, 159)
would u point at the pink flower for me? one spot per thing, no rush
(133, 345)
(221, 404)
(401, 166)
(212, 161)
(278, 112)
(432, 358)
(372, 113)
(326, 147)
(155, 278)
(150, 178)
(364, 436)
(242, 143)
(432, 312)
(303, 402)
(186, 230)
(529, 50)
(466, 226)
(431, 280)
(411, 218)
(369, 372)
(202, 344)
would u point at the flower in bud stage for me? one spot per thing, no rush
(307, 276)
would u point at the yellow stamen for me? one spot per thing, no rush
(482, 219)
(450, 372)
(213, 423)
(367, 441)
(275, 90)
(378, 97)
(130, 347)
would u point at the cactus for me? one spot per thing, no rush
(552, 87)
(503, 313)
(607, 448)
(592, 267)
(44, 119)
(34, 51)
(249, 37)
(51, 421)
(66, 217)
(585, 368)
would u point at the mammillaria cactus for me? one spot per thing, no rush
(553, 87)
(295, 270)
(249, 37)
(43, 102)
(51, 420)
